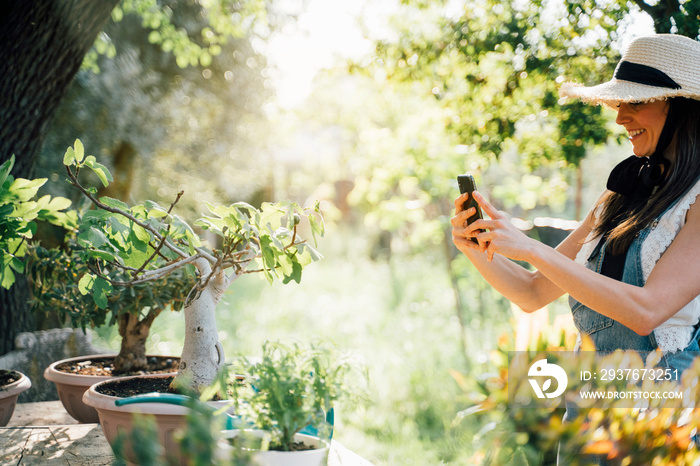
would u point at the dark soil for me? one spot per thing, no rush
(123, 388)
(138, 386)
(8, 377)
(297, 446)
(105, 366)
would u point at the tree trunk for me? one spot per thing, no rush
(42, 44)
(15, 317)
(123, 166)
(134, 333)
(202, 353)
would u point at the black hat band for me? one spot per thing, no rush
(643, 74)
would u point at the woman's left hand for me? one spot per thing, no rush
(498, 235)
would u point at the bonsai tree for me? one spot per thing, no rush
(291, 388)
(56, 291)
(147, 242)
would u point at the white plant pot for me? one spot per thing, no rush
(317, 456)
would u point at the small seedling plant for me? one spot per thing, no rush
(147, 242)
(291, 387)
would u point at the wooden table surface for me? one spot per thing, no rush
(44, 434)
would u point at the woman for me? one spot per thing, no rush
(632, 268)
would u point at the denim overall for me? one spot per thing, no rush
(609, 335)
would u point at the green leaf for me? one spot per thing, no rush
(101, 290)
(69, 157)
(26, 211)
(141, 233)
(7, 277)
(17, 265)
(102, 173)
(79, 150)
(286, 264)
(118, 226)
(29, 230)
(55, 204)
(193, 239)
(317, 227)
(211, 224)
(137, 251)
(26, 189)
(86, 283)
(6, 210)
(295, 274)
(104, 255)
(268, 254)
(5, 169)
(97, 215)
(97, 238)
(307, 254)
(157, 213)
(114, 203)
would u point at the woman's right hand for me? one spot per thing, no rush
(461, 236)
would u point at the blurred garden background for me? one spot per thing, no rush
(373, 108)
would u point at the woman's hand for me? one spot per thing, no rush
(495, 236)
(460, 238)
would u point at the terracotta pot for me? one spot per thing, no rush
(114, 419)
(8, 397)
(317, 456)
(71, 387)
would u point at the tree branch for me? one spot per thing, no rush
(155, 253)
(201, 252)
(74, 181)
(148, 275)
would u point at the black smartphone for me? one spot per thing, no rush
(468, 185)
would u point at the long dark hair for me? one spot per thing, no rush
(683, 174)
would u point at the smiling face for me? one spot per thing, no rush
(644, 122)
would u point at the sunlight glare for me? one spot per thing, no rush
(327, 31)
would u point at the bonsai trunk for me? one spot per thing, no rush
(202, 353)
(134, 333)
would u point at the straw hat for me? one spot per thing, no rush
(653, 67)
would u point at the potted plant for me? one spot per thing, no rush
(117, 239)
(283, 403)
(56, 292)
(288, 395)
(12, 383)
(19, 210)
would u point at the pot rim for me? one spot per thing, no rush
(99, 401)
(304, 438)
(57, 376)
(16, 387)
